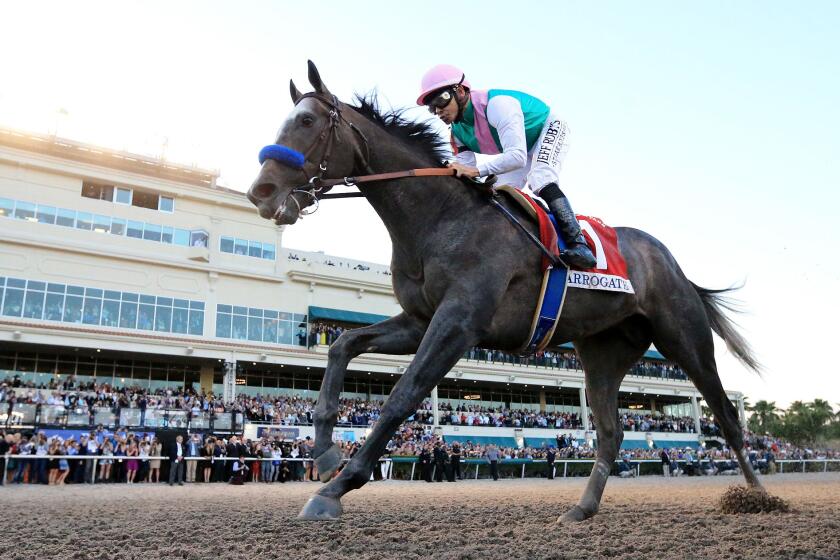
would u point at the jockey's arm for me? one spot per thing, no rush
(504, 113)
(463, 156)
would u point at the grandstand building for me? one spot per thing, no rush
(137, 271)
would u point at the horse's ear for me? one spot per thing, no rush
(296, 94)
(315, 80)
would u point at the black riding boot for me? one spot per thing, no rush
(577, 253)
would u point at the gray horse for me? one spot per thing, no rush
(464, 277)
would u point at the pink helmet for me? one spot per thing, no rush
(439, 77)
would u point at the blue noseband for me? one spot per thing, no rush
(286, 156)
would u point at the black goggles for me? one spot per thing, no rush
(440, 100)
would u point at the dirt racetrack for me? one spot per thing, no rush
(641, 518)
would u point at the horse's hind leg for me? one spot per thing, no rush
(398, 335)
(606, 359)
(682, 333)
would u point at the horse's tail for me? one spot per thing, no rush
(715, 302)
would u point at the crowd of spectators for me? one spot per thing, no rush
(650, 423)
(85, 397)
(474, 415)
(322, 333)
(288, 410)
(327, 260)
(123, 456)
(126, 457)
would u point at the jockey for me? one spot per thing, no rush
(527, 140)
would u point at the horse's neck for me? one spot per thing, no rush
(410, 208)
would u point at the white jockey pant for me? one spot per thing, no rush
(544, 160)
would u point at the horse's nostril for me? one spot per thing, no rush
(263, 191)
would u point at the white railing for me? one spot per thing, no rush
(408, 459)
(636, 463)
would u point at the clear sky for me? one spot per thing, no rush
(712, 125)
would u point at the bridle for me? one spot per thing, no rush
(315, 185)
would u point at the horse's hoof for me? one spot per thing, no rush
(320, 508)
(574, 515)
(328, 462)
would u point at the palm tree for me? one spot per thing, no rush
(822, 410)
(808, 422)
(764, 417)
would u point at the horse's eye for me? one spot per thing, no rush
(307, 121)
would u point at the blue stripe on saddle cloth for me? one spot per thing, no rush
(550, 305)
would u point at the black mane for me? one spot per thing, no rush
(421, 135)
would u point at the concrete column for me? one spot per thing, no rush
(742, 413)
(652, 405)
(584, 409)
(436, 421)
(229, 382)
(695, 411)
(542, 400)
(206, 378)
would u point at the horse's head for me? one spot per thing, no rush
(315, 142)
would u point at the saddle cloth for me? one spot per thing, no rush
(609, 273)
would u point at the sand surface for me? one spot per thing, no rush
(643, 518)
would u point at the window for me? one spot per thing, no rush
(7, 207)
(98, 191)
(135, 229)
(263, 325)
(66, 218)
(72, 309)
(54, 305)
(255, 325)
(269, 329)
(145, 200)
(128, 312)
(25, 211)
(117, 226)
(123, 196)
(240, 247)
(197, 320)
(166, 204)
(239, 327)
(101, 224)
(13, 301)
(84, 221)
(167, 234)
(254, 249)
(226, 245)
(34, 306)
(182, 237)
(152, 232)
(223, 323)
(46, 214)
(198, 238)
(110, 313)
(180, 320)
(163, 318)
(94, 306)
(268, 251)
(92, 310)
(145, 317)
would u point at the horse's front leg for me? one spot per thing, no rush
(453, 330)
(397, 335)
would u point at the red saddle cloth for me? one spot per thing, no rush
(601, 239)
